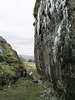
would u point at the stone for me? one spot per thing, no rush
(40, 82)
(1, 52)
(30, 73)
(55, 44)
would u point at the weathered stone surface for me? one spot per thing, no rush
(11, 67)
(55, 44)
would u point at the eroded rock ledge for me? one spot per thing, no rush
(55, 44)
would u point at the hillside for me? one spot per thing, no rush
(11, 67)
(27, 57)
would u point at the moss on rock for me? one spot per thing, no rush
(11, 67)
(37, 4)
(2, 58)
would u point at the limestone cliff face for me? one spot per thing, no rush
(55, 44)
(11, 67)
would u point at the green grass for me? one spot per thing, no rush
(22, 92)
(25, 88)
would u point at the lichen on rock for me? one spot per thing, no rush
(55, 45)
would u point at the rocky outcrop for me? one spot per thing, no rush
(11, 67)
(55, 44)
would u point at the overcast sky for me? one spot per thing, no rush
(16, 24)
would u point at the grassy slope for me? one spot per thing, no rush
(25, 88)
(11, 67)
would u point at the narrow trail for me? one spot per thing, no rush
(32, 87)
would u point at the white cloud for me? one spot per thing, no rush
(16, 24)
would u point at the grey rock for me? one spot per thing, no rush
(1, 51)
(55, 45)
(40, 82)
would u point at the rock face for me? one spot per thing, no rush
(11, 67)
(55, 44)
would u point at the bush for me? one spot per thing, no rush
(30, 60)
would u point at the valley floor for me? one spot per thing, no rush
(32, 87)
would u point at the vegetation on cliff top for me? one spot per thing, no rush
(37, 4)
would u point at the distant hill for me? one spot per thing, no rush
(26, 57)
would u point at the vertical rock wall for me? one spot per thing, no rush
(55, 44)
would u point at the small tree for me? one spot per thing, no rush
(30, 60)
